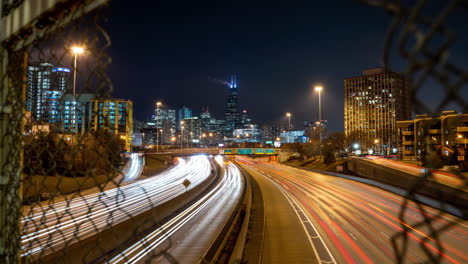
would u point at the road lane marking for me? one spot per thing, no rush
(292, 202)
(385, 235)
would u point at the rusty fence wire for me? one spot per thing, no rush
(422, 36)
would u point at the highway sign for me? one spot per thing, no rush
(259, 151)
(270, 151)
(228, 151)
(244, 151)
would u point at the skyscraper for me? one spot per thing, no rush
(232, 111)
(46, 87)
(372, 104)
(183, 113)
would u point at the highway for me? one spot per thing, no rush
(187, 236)
(350, 222)
(48, 228)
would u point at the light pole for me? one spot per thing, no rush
(319, 88)
(181, 134)
(376, 142)
(289, 121)
(157, 126)
(76, 51)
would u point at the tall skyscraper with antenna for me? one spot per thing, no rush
(232, 110)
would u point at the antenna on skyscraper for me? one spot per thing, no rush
(233, 81)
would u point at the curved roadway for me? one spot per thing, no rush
(350, 222)
(51, 227)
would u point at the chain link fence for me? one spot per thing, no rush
(422, 35)
(54, 169)
(64, 198)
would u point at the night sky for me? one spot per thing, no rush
(170, 51)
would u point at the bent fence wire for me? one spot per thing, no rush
(52, 171)
(423, 35)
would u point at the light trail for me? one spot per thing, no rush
(47, 229)
(225, 192)
(358, 221)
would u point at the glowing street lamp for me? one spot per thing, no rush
(319, 88)
(289, 121)
(76, 51)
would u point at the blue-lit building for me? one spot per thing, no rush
(115, 116)
(76, 113)
(46, 87)
(293, 136)
(183, 113)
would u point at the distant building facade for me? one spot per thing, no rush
(76, 113)
(115, 116)
(373, 103)
(232, 116)
(45, 89)
(447, 134)
(293, 136)
(182, 114)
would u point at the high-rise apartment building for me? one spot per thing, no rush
(162, 115)
(114, 115)
(373, 103)
(232, 116)
(182, 114)
(76, 112)
(46, 87)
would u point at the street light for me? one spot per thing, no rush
(76, 51)
(289, 121)
(157, 120)
(181, 134)
(376, 141)
(319, 88)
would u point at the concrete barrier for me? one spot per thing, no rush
(236, 255)
(97, 248)
(411, 183)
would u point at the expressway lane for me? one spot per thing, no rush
(356, 222)
(186, 237)
(49, 228)
(285, 239)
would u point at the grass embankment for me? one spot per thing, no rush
(316, 164)
(38, 187)
(155, 163)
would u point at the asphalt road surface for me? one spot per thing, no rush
(350, 222)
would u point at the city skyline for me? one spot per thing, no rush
(277, 53)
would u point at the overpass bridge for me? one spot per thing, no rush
(273, 154)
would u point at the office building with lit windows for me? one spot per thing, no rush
(76, 113)
(373, 103)
(46, 86)
(115, 116)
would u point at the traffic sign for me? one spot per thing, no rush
(244, 151)
(259, 151)
(270, 151)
